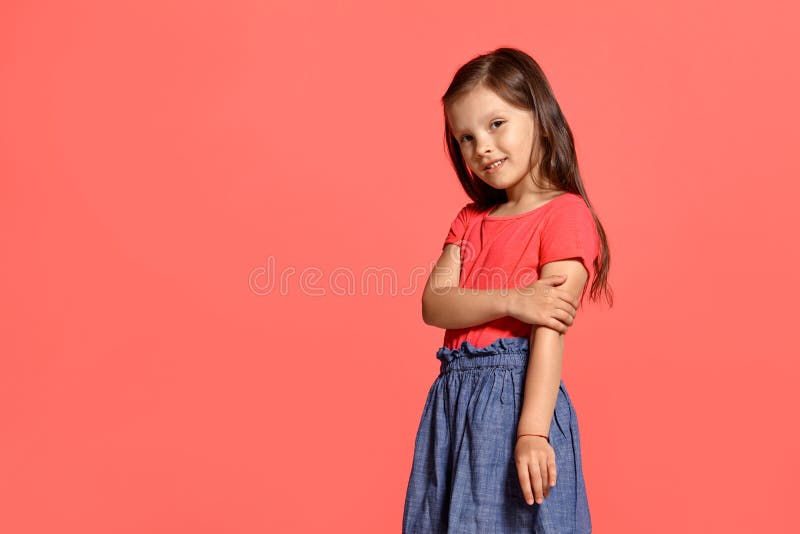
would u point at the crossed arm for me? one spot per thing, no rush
(446, 305)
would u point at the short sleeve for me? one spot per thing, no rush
(459, 226)
(570, 232)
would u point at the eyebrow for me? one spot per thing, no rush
(490, 114)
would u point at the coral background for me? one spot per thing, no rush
(217, 218)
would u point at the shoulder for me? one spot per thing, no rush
(574, 200)
(470, 207)
(570, 207)
(570, 217)
(461, 222)
(569, 233)
(469, 210)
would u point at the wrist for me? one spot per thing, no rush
(508, 302)
(540, 436)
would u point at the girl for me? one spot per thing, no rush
(498, 448)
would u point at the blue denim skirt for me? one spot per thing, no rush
(463, 477)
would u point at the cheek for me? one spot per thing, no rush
(511, 140)
(520, 144)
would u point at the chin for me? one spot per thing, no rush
(501, 184)
(493, 184)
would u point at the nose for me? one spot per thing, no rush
(483, 146)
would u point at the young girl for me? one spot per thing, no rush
(498, 448)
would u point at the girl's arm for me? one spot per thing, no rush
(446, 305)
(534, 457)
(544, 364)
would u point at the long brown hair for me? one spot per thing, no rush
(516, 78)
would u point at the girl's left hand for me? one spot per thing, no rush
(536, 466)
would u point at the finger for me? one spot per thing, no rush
(563, 316)
(566, 308)
(560, 321)
(567, 296)
(571, 308)
(554, 279)
(536, 479)
(525, 481)
(569, 301)
(551, 467)
(557, 325)
(543, 468)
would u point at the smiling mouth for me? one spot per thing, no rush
(493, 167)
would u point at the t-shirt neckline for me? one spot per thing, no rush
(488, 217)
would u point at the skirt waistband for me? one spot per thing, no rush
(502, 352)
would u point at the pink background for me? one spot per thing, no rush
(154, 155)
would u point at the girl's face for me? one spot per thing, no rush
(489, 129)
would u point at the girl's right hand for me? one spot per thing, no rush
(540, 303)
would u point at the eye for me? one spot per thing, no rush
(464, 137)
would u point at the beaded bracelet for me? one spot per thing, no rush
(540, 435)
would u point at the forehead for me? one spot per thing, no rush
(477, 106)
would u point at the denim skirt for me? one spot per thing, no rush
(463, 476)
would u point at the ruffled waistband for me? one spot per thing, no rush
(504, 351)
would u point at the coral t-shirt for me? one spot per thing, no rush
(509, 251)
